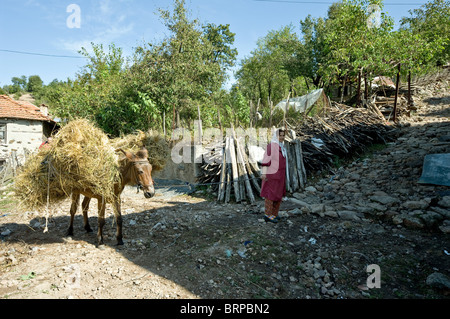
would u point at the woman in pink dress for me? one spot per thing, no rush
(273, 176)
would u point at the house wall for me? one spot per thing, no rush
(22, 136)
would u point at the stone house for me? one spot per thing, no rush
(23, 127)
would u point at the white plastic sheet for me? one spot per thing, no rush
(301, 103)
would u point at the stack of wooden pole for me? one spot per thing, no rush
(296, 172)
(237, 173)
(238, 176)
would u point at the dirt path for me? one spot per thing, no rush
(371, 212)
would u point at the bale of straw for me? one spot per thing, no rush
(36, 183)
(155, 143)
(80, 157)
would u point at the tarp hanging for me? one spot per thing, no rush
(301, 103)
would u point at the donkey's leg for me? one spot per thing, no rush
(118, 216)
(85, 208)
(73, 211)
(101, 219)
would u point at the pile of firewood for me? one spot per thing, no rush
(385, 105)
(313, 146)
(342, 133)
(235, 175)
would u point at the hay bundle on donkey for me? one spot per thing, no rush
(80, 157)
(155, 143)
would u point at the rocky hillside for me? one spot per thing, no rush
(384, 184)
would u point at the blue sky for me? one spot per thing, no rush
(40, 26)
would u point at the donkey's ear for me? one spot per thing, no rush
(142, 153)
(129, 155)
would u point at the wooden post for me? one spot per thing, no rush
(164, 123)
(241, 160)
(251, 173)
(299, 164)
(286, 109)
(326, 105)
(394, 118)
(288, 177)
(223, 171)
(234, 169)
(228, 179)
(241, 176)
(409, 89)
(291, 166)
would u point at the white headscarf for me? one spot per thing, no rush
(277, 141)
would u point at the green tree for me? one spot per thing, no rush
(432, 23)
(97, 87)
(186, 69)
(270, 73)
(180, 73)
(34, 83)
(353, 43)
(18, 84)
(314, 49)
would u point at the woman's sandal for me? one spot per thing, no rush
(271, 219)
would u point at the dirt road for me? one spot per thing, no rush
(187, 246)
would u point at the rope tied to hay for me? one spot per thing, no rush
(47, 210)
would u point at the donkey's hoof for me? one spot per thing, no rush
(88, 229)
(120, 242)
(100, 243)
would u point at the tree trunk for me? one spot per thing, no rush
(366, 87)
(220, 122)
(343, 88)
(286, 109)
(164, 122)
(269, 89)
(251, 113)
(271, 111)
(358, 96)
(178, 119)
(174, 119)
(306, 82)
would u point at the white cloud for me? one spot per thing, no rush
(105, 37)
(103, 23)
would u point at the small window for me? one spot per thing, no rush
(2, 133)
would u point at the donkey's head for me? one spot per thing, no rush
(140, 171)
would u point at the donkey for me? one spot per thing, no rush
(135, 169)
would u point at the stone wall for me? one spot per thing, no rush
(182, 171)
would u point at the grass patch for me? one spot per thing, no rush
(7, 202)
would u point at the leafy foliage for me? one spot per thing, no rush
(356, 38)
(167, 83)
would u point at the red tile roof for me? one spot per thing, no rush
(10, 108)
